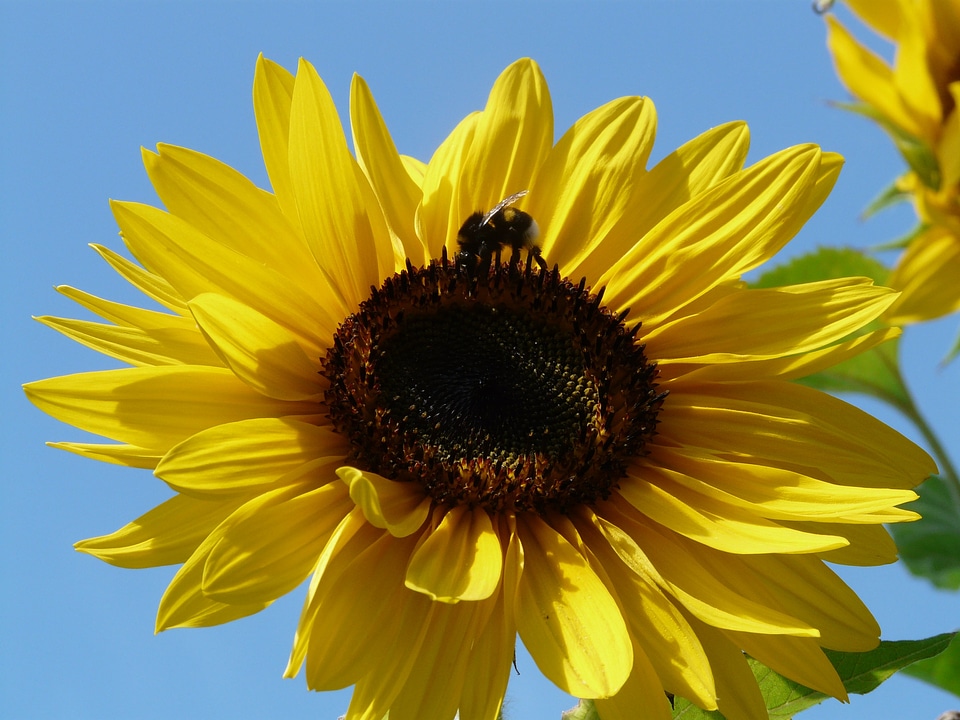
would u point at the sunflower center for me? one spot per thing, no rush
(510, 389)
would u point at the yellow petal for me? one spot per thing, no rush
(773, 492)
(398, 507)
(869, 544)
(738, 694)
(253, 562)
(195, 264)
(788, 425)
(883, 17)
(154, 407)
(809, 590)
(246, 455)
(130, 316)
(656, 557)
(262, 353)
(227, 207)
(790, 367)
(460, 560)
(128, 455)
(718, 235)
(596, 164)
(148, 283)
(513, 136)
(494, 648)
(377, 154)
(641, 697)
(353, 535)
(376, 691)
(771, 321)
(433, 687)
(685, 173)
(566, 617)
(185, 605)
(718, 525)
(170, 346)
(272, 94)
(799, 659)
(341, 219)
(656, 625)
(439, 216)
(167, 534)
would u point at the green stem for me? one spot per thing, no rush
(947, 471)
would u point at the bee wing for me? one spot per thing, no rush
(509, 200)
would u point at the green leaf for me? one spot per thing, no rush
(860, 672)
(942, 670)
(915, 152)
(891, 195)
(930, 547)
(875, 372)
(585, 710)
(951, 356)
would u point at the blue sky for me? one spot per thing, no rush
(84, 85)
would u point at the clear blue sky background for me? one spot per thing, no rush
(84, 85)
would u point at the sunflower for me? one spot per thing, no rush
(916, 101)
(380, 378)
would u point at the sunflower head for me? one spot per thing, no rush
(377, 375)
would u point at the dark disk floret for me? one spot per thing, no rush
(510, 389)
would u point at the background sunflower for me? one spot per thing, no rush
(88, 85)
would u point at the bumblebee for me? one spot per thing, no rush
(483, 236)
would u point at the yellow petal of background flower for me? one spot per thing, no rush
(929, 258)
(252, 562)
(566, 617)
(340, 216)
(460, 560)
(883, 17)
(868, 77)
(245, 456)
(262, 353)
(597, 164)
(167, 534)
(377, 155)
(154, 407)
(396, 507)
